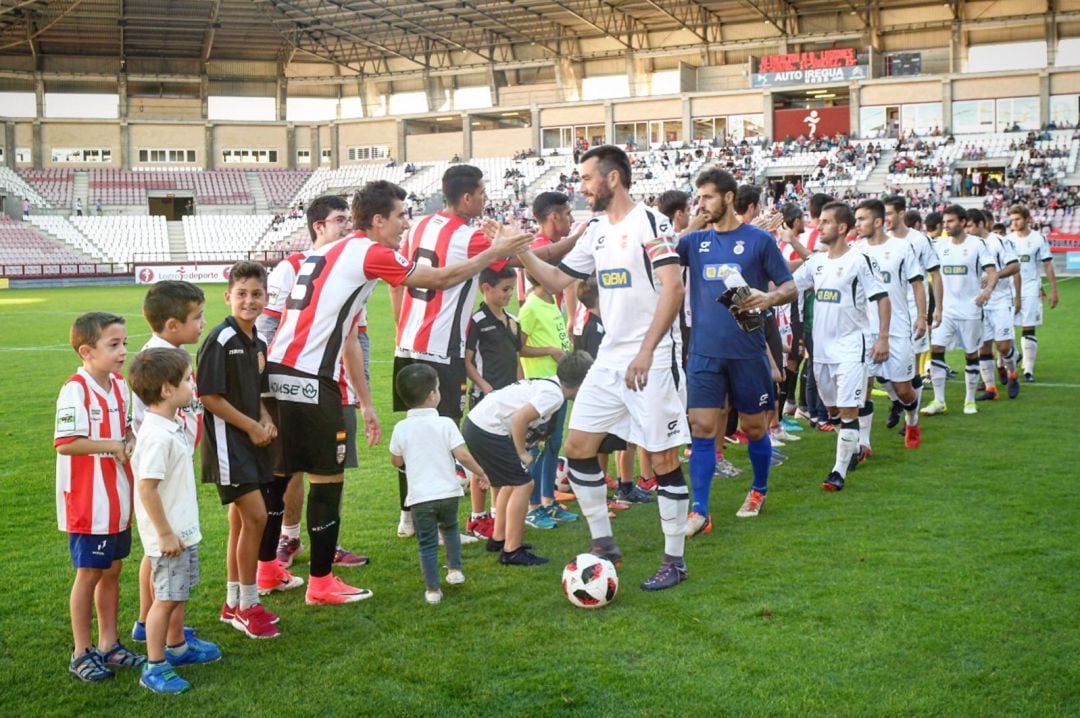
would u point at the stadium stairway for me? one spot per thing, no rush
(875, 182)
(257, 192)
(550, 178)
(80, 189)
(177, 244)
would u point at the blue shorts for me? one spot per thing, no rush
(748, 381)
(99, 550)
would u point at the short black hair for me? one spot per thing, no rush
(912, 218)
(976, 216)
(791, 211)
(842, 213)
(460, 180)
(89, 327)
(608, 158)
(153, 368)
(321, 208)
(897, 202)
(546, 203)
(956, 211)
(414, 382)
(875, 206)
(745, 196)
(932, 222)
(818, 200)
(998, 228)
(492, 276)
(722, 180)
(375, 198)
(247, 270)
(572, 369)
(170, 299)
(672, 201)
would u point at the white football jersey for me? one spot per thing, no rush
(1032, 250)
(897, 268)
(926, 256)
(332, 286)
(843, 289)
(493, 414)
(962, 266)
(1004, 254)
(624, 256)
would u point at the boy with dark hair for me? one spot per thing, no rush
(167, 508)
(501, 430)
(93, 489)
(235, 455)
(429, 444)
(174, 311)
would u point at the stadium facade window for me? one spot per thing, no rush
(370, 152)
(970, 116)
(566, 138)
(82, 105)
(872, 123)
(310, 109)
(248, 109)
(1065, 110)
(605, 87)
(1068, 52)
(1017, 113)
(744, 127)
(1007, 56)
(243, 156)
(708, 128)
(303, 157)
(326, 157)
(922, 117)
(472, 98)
(18, 104)
(408, 103)
(665, 82)
(23, 156)
(163, 156)
(81, 155)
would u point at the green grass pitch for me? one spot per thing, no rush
(943, 581)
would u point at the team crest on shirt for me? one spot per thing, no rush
(341, 453)
(886, 276)
(614, 278)
(740, 247)
(262, 362)
(401, 259)
(95, 413)
(829, 296)
(65, 419)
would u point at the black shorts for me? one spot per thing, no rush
(311, 426)
(611, 443)
(452, 380)
(496, 456)
(774, 343)
(229, 494)
(348, 416)
(796, 333)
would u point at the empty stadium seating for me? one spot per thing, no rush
(223, 237)
(21, 243)
(65, 231)
(120, 187)
(282, 186)
(55, 185)
(12, 182)
(127, 238)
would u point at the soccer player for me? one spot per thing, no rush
(1032, 249)
(963, 257)
(318, 333)
(898, 268)
(844, 281)
(896, 224)
(726, 358)
(1000, 310)
(635, 389)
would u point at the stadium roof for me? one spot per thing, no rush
(368, 36)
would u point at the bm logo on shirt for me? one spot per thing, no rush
(830, 296)
(954, 269)
(1025, 257)
(714, 272)
(614, 278)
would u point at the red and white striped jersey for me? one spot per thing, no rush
(280, 282)
(331, 288)
(93, 492)
(433, 322)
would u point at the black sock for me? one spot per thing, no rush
(274, 498)
(324, 524)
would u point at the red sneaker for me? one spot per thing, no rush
(481, 527)
(331, 590)
(912, 437)
(255, 622)
(612, 482)
(227, 613)
(273, 577)
(648, 484)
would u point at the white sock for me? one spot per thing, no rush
(591, 492)
(1010, 361)
(406, 518)
(971, 380)
(865, 424)
(292, 531)
(481, 515)
(888, 387)
(847, 444)
(249, 596)
(937, 377)
(986, 371)
(911, 411)
(232, 593)
(1031, 348)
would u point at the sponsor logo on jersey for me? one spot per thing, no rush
(954, 269)
(65, 419)
(95, 413)
(293, 388)
(886, 276)
(704, 246)
(614, 278)
(714, 272)
(1025, 257)
(401, 260)
(831, 296)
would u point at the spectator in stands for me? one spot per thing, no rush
(391, 162)
(99, 207)
(78, 207)
(26, 208)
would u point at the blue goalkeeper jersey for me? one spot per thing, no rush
(714, 259)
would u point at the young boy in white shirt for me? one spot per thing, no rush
(428, 444)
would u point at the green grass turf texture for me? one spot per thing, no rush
(942, 581)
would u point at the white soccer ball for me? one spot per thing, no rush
(590, 581)
(562, 476)
(464, 476)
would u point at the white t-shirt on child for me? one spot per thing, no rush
(163, 454)
(424, 440)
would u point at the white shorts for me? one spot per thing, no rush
(900, 366)
(653, 418)
(920, 345)
(998, 322)
(965, 334)
(1031, 311)
(841, 385)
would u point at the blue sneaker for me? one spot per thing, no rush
(197, 652)
(119, 655)
(90, 667)
(633, 495)
(538, 518)
(667, 576)
(161, 678)
(790, 425)
(138, 632)
(560, 514)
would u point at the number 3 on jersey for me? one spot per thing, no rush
(301, 293)
(424, 295)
